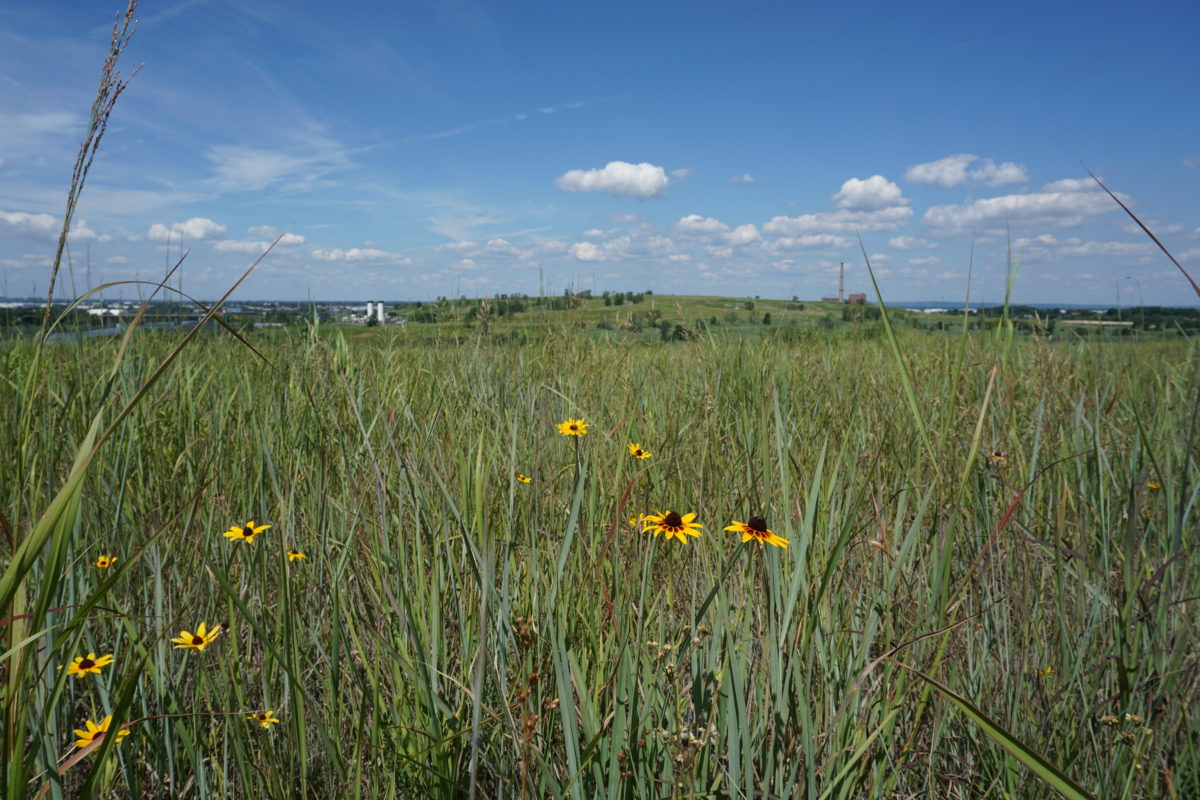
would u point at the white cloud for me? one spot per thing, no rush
(618, 178)
(192, 230)
(624, 217)
(682, 172)
(991, 174)
(811, 240)
(923, 261)
(360, 254)
(952, 171)
(1057, 209)
(946, 172)
(35, 224)
(696, 225)
(745, 177)
(844, 221)
(587, 251)
(910, 243)
(1127, 249)
(743, 234)
(116, 260)
(229, 246)
(700, 226)
(874, 193)
(1072, 185)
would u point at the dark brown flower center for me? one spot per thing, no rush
(197, 640)
(673, 520)
(248, 532)
(87, 663)
(757, 524)
(574, 427)
(638, 452)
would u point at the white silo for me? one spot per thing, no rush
(379, 311)
(368, 314)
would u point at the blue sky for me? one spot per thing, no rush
(411, 150)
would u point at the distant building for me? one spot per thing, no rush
(860, 299)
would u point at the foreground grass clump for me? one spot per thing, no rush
(441, 591)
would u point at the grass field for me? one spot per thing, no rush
(946, 621)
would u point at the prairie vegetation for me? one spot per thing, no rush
(1021, 531)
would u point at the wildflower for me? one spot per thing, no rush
(266, 719)
(1134, 719)
(202, 638)
(522, 478)
(91, 665)
(104, 562)
(245, 532)
(1154, 487)
(636, 520)
(671, 524)
(296, 555)
(756, 530)
(1045, 673)
(95, 733)
(572, 427)
(1108, 719)
(998, 458)
(636, 451)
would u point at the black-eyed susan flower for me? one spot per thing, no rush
(998, 458)
(522, 478)
(89, 665)
(296, 555)
(265, 718)
(636, 451)
(756, 530)
(202, 638)
(636, 520)
(95, 733)
(104, 562)
(245, 533)
(573, 427)
(672, 525)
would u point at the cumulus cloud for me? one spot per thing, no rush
(360, 254)
(844, 221)
(640, 244)
(35, 224)
(1052, 209)
(230, 246)
(618, 178)
(696, 225)
(910, 243)
(194, 229)
(745, 177)
(811, 240)
(952, 171)
(874, 193)
(1072, 185)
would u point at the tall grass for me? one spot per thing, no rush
(454, 632)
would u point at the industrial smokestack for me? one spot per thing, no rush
(842, 284)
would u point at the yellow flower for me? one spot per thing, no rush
(296, 555)
(266, 719)
(672, 524)
(245, 532)
(636, 520)
(1045, 673)
(199, 640)
(572, 427)
(636, 451)
(91, 665)
(523, 478)
(104, 562)
(756, 530)
(998, 458)
(1154, 487)
(95, 733)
